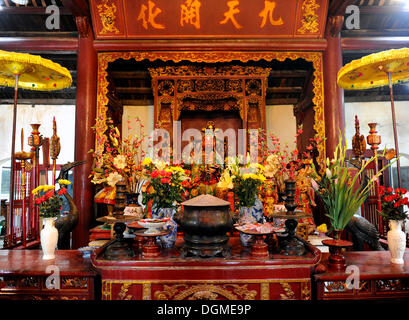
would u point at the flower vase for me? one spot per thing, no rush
(253, 214)
(133, 208)
(169, 240)
(49, 238)
(396, 241)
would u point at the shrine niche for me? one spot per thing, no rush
(220, 90)
(232, 98)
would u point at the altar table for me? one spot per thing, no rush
(238, 277)
(25, 276)
(378, 278)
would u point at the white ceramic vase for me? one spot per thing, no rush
(396, 241)
(49, 238)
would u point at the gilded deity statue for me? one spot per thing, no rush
(270, 197)
(305, 193)
(209, 172)
(273, 170)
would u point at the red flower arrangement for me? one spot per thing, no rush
(49, 201)
(392, 202)
(166, 184)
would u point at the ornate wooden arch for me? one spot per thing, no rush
(104, 58)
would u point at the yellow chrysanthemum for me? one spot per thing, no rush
(64, 182)
(147, 161)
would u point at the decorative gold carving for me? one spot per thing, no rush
(305, 291)
(105, 58)
(146, 291)
(185, 85)
(106, 290)
(204, 295)
(46, 297)
(177, 288)
(341, 286)
(265, 291)
(11, 282)
(288, 292)
(208, 71)
(335, 286)
(209, 85)
(234, 85)
(166, 87)
(107, 15)
(392, 285)
(74, 283)
(310, 17)
(253, 87)
(122, 295)
(205, 291)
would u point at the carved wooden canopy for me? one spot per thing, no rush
(210, 88)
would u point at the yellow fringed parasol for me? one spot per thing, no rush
(23, 70)
(378, 70)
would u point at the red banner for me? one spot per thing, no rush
(155, 19)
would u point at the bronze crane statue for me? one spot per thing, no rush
(65, 224)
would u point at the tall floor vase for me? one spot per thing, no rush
(396, 241)
(49, 238)
(252, 214)
(169, 240)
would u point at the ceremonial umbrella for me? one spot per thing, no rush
(378, 70)
(22, 70)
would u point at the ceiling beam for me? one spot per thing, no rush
(375, 98)
(284, 89)
(30, 11)
(138, 90)
(211, 45)
(283, 101)
(39, 43)
(375, 33)
(288, 73)
(129, 74)
(40, 101)
(137, 102)
(383, 10)
(374, 43)
(78, 8)
(39, 34)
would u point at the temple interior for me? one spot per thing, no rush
(204, 150)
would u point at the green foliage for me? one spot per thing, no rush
(339, 189)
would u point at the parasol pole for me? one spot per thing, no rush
(13, 145)
(395, 135)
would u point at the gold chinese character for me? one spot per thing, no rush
(151, 16)
(269, 7)
(229, 15)
(189, 13)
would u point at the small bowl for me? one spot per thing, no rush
(153, 225)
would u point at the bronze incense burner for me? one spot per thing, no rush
(205, 222)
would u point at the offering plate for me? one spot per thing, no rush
(153, 226)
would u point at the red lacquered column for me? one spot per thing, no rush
(334, 96)
(84, 135)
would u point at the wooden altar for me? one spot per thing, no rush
(25, 276)
(239, 277)
(378, 278)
